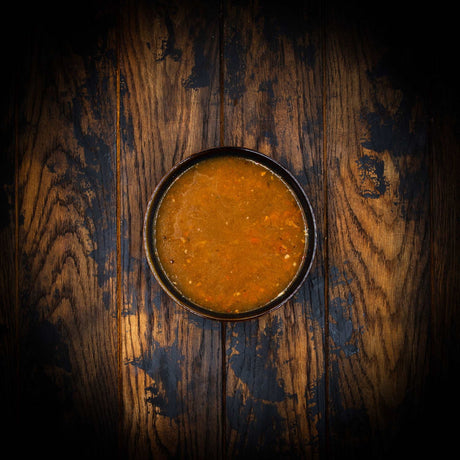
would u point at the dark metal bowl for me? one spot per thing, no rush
(155, 201)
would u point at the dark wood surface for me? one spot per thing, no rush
(99, 101)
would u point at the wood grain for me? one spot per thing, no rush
(171, 360)
(379, 240)
(357, 100)
(275, 385)
(66, 259)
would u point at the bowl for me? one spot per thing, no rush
(164, 279)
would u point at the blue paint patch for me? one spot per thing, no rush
(153, 294)
(156, 301)
(381, 132)
(168, 46)
(293, 21)
(339, 277)
(235, 65)
(249, 357)
(312, 291)
(403, 135)
(200, 75)
(202, 323)
(394, 133)
(259, 424)
(271, 138)
(413, 192)
(95, 176)
(373, 181)
(162, 365)
(341, 329)
(341, 326)
(106, 300)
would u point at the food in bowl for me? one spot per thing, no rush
(229, 234)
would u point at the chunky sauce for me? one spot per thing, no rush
(230, 235)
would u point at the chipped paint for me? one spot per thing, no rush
(162, 365)
(373, 181)
(341, 327)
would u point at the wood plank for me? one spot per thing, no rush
(8, 226)
(443, 398)
(379, 240)
(169, 109)
(67, 234)
(275, 385)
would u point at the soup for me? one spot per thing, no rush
(230, 235)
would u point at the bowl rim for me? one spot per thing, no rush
(156, 198)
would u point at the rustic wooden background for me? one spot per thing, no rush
(99, 100)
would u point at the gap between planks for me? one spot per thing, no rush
(323, 16)
(223, 324)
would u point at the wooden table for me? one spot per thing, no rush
(102, 99)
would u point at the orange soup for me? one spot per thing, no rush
(230, 234)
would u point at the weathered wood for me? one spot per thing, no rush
(99, 101)
(378, 242)
(171, 360)
(8, 226)
(66, 236)
(275, 385)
